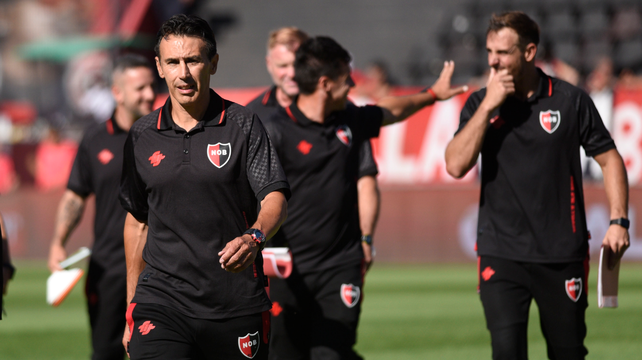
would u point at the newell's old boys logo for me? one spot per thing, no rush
(550, 120)
(350, 294)
(574, 288)
(344, 134)
(219, 154)
(249, 345)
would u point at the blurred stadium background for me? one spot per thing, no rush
(55, 58)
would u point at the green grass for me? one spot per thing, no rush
(409, 312)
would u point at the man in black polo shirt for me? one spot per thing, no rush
(316, 310)
(96, 170)
(532, 236)
(281, 47)
(194, 172)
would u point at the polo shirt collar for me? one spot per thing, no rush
(112, 125)
(295, 114)
(269, 98)
(545, 87)
(214, 115)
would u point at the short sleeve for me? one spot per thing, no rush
(264, 170)
(594, 137)
(367, 163)
(133, 196)
(80, 179)
(370, 120)
(470, 107)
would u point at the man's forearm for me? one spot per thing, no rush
(273, 213)
(68, 216)
(135, 235)
(463, 150)
(398, 108)
(369, 204)
(615, 183)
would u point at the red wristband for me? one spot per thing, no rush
(431, 92)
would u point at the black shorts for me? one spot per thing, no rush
(106, 292)
(315, 316)
(158, 332)
(560, 291)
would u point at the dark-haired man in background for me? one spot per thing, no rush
(532, 237)
(194, 172)
(281, 47)
(316, 310)
(96, 170)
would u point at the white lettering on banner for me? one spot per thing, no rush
(597, 218)
(249, 343)
(219, 152)
(429, 165)
(627, 134)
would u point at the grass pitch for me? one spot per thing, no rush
(409, 312)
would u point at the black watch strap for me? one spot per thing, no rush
(623, 222)
(258, 236)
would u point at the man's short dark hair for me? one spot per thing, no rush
(130, 61)
(187, 25)
(316, 57)
(524, 26)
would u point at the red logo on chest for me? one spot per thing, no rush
(156, 158)
(304, 147)
(105, 156)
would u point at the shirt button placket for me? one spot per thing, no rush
(186, 146)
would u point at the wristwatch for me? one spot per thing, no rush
(258, 236)
(623, 222)
(366, 239)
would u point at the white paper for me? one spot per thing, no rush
(60, 283)
(607, 281)
(82, 253)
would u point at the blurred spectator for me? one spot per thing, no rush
(599, 85)
(629, 80)
(8, 177)
(376, 81)
(556, 67)
(53, 161)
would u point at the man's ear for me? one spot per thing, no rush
(530, 52)
(214, 64)
(158, 67)
(324, 83)
(117, 94)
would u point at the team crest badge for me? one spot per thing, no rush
(574, 288)
(219, 154)
(249, 345)
(344, 134)
(350, 294)
(550, 120)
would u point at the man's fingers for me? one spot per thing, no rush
(448, 69)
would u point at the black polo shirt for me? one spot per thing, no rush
(96, 170)
(266, 106)
(197, 191)
(532, 204)
(322, 166)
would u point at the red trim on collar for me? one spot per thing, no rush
(159, 118)
(266, 97)
(287, 109)
(110, 127)
(550, 87)
(222, 112)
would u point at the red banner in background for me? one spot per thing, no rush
(627, 130)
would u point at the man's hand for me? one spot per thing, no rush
(442, 88)
(57, 253)
(126, 339)
(368, 256)
(617, 238)
(238, 254)
(499, 86)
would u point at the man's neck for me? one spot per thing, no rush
(282, 98)
(187, 117)
(528, 84)
(125, 119)
(313, 107)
